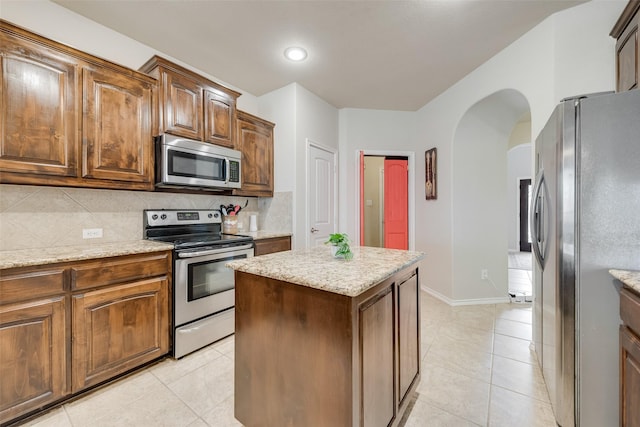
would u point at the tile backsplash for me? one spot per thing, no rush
(37, 217)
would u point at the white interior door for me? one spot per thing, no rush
(321, 194)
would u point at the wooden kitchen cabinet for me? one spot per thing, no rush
(377, 348)
(191, 105)
(118, 328)
(300, 350)
(71, 119)
(271, 245)
(69, 326)
(116, 131)
(255, 142)
(39, 95)
(625, 31)
(629, 359)
(408, 335)
(120, 315)
(33, 340)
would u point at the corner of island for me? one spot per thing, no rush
(324, 341)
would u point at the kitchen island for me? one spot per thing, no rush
(322, 341)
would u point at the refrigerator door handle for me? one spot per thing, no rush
(536, 218)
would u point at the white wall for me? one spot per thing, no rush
(569, 53)
(300, 116)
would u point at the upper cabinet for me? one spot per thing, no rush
(192, 106)
(255, 142)
(39, 96)
(69, 118)
(625, 32)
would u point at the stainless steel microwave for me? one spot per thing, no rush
(185, 162)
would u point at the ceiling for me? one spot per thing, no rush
(392, 55)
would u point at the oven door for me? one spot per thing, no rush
(203, 285)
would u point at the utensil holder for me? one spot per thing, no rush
(229, 224)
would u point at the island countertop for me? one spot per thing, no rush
(631, 278)
(317, 268)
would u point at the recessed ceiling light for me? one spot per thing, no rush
(295, 53)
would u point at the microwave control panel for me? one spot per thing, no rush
(234, 171)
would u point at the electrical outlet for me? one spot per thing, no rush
(484, 274)
(91, 233)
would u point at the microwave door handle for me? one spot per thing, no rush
(227, 164)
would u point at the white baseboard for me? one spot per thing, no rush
(452, 302)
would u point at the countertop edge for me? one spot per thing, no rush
(270, 266)
(61, 254)
(629, 278)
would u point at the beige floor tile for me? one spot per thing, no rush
(56, 418)
(480, 338)
(519, 312)
(460, 356)
(198, 423)
(222, 415)
(477, 317)
(112, 399)
(514, 348)
(509, 409)
(170, 370)
(424, 414)
(455, 393)
(207, 386)
(520, 377)
(513, 329)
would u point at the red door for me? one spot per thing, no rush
(361, 198)
(396, 204)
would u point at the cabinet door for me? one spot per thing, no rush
(117, 140)
(628, 52)
(408, 334)
(255, 141)
(33, 369)
(38, 131)
(377, 355)
(118, 328)
(219, 113)
(629, 378)
(182, 106)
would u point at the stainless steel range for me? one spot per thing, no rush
(203, 288)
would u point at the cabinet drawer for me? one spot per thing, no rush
(630, 310)
(276, 244)
(28, 283)
(117, 270)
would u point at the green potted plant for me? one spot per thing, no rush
(340, 243)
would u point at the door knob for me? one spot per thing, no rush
(314, 230)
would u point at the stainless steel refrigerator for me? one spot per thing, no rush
(585, 220)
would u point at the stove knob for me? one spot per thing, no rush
(210, 215)
(154, 216)
(163, 216)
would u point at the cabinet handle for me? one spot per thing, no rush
(314, 230)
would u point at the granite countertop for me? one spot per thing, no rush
(264, 234)
(317, 268)
(629, 277)
(40, 256)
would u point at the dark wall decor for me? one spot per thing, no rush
(430, 181)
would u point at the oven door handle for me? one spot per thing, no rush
(214, 251)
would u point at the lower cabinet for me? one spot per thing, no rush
(629, 359)
(69, 326)
(300, 350)
(117, 329)
(33, 357)
(271, 245)
(389, 331)
(378, 368)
